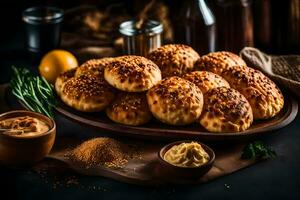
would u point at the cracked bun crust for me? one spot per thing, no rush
(206, 80)
(130, 109)
(263, 95)
(62, 78)
(225, 110)
(87, 93)
(174, 59)
(94, 66)
(132, 73)
(175, 101)
(216, 62)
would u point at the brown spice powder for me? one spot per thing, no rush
(103, 151)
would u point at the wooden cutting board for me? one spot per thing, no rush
(146, 170)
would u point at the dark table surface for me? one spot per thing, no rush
(272, 179)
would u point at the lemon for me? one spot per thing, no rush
(56, 62)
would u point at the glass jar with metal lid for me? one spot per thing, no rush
(140, 39)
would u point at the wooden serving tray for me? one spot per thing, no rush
(147, 169)
(156, 130)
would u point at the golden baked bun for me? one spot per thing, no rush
(132, 73)
(225, 110)
(263, 95)
(62, 78)
(87, 93)
(130, 109)
(94, 66)
(174, 59)
(175, 101)
(206, 80)
(216, 62)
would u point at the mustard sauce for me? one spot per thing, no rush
(187, 155)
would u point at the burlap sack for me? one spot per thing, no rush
(283, 69)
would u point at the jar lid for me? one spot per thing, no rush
(129, 28)
(43, 14)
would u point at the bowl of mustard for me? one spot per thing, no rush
(25, 137)
(186, 159)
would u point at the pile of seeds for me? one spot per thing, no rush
(102, 151)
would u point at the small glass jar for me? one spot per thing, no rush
(43, 27)
(141, 40)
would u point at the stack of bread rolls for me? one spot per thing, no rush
(176, 86)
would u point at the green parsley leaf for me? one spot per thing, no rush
(257, 150)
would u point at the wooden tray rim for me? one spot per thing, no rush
(171, 134)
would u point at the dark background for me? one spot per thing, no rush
(271, 179)
(280, 36)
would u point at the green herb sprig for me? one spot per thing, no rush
(257, 150)
(33, 91)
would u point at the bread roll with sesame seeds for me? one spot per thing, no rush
(225, 110)
(87, 93)
(175, 101)
(130, 109)
(263, 95)
(174, 59)
(206, 80)
(216, 62)
(94, 66)
(132, 73)
(62, 78)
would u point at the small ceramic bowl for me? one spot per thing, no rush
(173, 171)
(22, 151)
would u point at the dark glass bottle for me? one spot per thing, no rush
(196, 27)
(277, 26)
(235, 24)
(262, 22)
